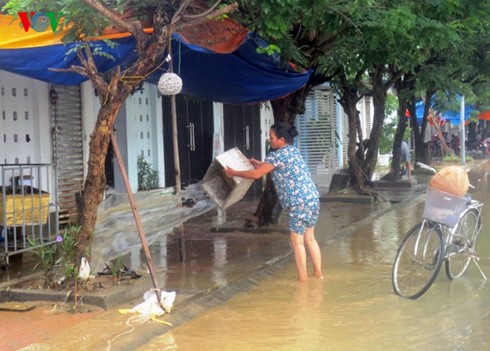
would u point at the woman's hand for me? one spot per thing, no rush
(262, 169)
(255, 163)
(229, 172)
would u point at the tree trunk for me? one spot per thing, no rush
(349, 101)
(95, 181)
(404, 88)
(421, 147)
(395, 172)
(379, 101)
(349, 98)
(149, 50)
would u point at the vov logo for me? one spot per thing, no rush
(40, 21)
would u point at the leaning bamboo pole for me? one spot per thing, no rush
(136, 215)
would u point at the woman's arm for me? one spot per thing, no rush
(255, 163)
(256, 173)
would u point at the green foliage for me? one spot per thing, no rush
(67, 247)
(387, 136)
(389, 127)
(443, 45)
(47, 255)
(292, 25)
(147, 176)
(269, 50)
(60, 254)
(456, 159)
(117, 266)
(79, 19)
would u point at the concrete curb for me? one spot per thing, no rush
(122, 294)
(358, 199)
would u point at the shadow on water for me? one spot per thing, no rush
(354, 308)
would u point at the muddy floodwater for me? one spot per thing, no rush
(355, 307)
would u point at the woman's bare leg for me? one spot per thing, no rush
(299, 255)
(314, 251)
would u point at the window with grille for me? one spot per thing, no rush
(317, 139)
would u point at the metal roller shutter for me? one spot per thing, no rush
(67, 148)
(317, 127)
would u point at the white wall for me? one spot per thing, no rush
(139, 130)
(90, 109)
(25, 123)
(218, 134)
(366, 109)
(156, 108)
(143, 133)
(266, 121)
(24, 114)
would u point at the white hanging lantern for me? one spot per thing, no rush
(169, 84)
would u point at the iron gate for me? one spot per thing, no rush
(28, 208)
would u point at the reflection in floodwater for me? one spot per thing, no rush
(160, 211)
(354, 308)
(218, 276)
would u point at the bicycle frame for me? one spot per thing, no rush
(425, 243)
(449, 233)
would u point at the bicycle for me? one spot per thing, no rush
(448, 233)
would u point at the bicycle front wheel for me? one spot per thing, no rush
(418, 260)
(462, 244)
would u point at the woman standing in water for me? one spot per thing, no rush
(296, 190)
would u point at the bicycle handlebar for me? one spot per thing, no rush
(423, 165)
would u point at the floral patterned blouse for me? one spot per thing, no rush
(291, 177)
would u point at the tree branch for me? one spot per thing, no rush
(98, 82)
(133, 27)
(182, 7)
(90, 70)
(90, 63)
(217, 13)
(205, 13)
(73, 69)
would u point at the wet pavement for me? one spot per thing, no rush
(355, 308)
(358, 243)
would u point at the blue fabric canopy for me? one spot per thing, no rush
(243, 76)
(39, 62)
(450, 116)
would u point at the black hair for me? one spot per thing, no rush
(286, 131)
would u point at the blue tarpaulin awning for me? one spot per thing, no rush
(450, 116)
(240, 76)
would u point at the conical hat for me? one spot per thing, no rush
(452, 180)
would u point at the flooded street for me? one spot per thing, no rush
(355, 307)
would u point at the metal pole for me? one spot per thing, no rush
(175, 143)
(175, 133)
(462, 138)
(178, 187)
(136, 215)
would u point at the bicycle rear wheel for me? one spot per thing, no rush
(462, 244)
(418, 260)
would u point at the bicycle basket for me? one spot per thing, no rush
(442, 207)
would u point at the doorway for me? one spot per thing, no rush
(242, 130)
(195, 134)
